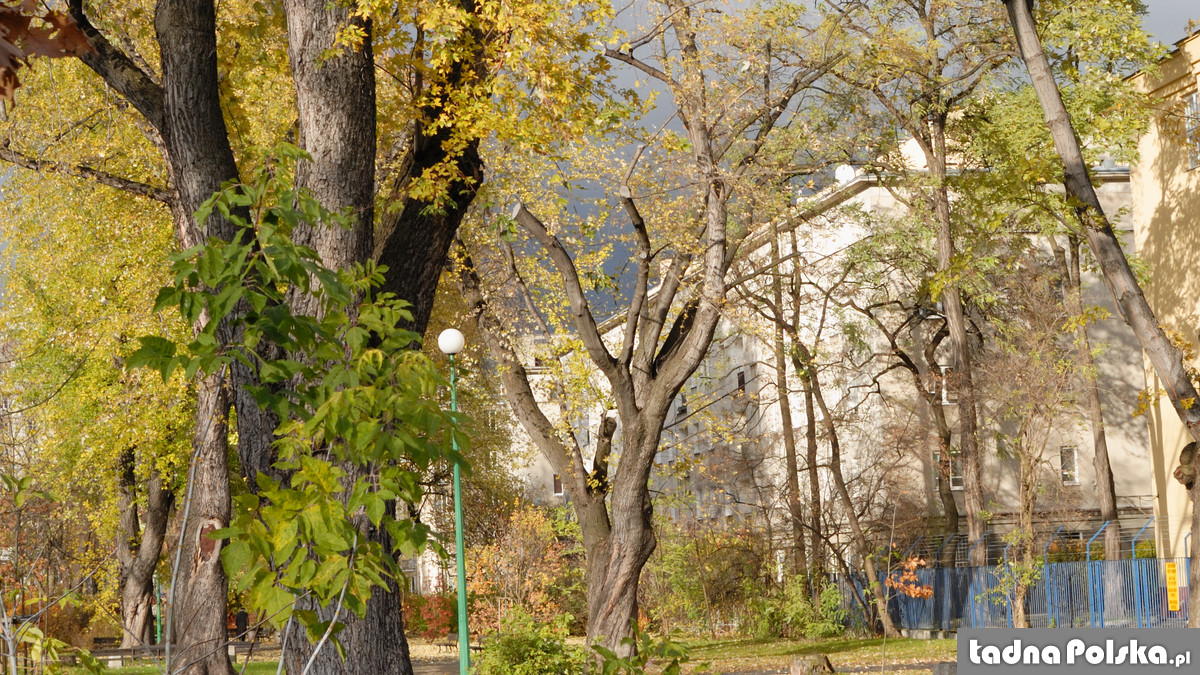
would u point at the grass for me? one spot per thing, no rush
(733, 655)
(260, 668)
(745, 654)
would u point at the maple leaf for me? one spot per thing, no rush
(19, 40)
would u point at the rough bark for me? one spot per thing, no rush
(197, 625)
(197, 143)
(335, 100)
(138, 551)
(1106, 248)
(812, 385)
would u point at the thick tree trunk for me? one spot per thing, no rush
(335, 99)
(138, 551)
(1164, 356)
(200, 159)
(615, 563)
(197, 626)
(813, 385)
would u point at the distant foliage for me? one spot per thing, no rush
(528, 646)
(439, 616)
(536, 566)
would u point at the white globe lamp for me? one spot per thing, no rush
(451, 341)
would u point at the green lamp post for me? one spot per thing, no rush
(451, 342)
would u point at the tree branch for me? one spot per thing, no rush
(640, 65)
(118, 70)
(514, 377)
(84, 171)
(585, 322)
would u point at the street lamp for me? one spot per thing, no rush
(451, 342)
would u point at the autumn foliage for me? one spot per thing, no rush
(533, 565)
(906, 581)
(26, 31)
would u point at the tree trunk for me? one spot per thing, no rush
(963, 382)
(816, 545)
(1164, 356)
(199, 160)
(787, 428)
(813, 385)
(197, 627)
(1106, 491)
(615, 564)
(335, 100)
(138, 551)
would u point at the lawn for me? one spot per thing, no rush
(256, 668)
(734, 655)
(743, 655)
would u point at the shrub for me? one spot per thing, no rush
(667, 656)
(526, 646)
(439, 614)
(536, 565)
(414, 620)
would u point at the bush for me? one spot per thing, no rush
(439, 616)
(526, 646)
(414, 621)
(793, 613)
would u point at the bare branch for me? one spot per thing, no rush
(585, 322)
(84, 171)
(640, 65)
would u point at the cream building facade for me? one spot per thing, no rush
(1166, 218)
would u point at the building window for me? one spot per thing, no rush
(1191, 127)
(1068, 458)
(558, 489)
(681, 410)
(956, 474)
(741, 381)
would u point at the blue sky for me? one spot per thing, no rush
(1167, 20)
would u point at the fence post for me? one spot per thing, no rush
(1046, 570)
(1091, 580)
(1137, 575)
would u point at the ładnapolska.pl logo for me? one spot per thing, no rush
(1123, 650)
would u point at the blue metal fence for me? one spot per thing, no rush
(1096, 593)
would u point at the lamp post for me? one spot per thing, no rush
(451, 342)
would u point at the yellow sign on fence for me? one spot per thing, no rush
(1172, 570)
